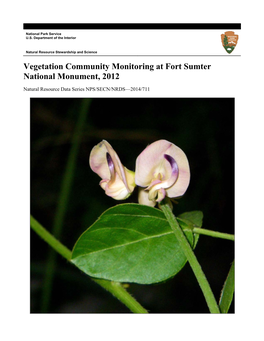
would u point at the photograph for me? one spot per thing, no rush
(112, 182)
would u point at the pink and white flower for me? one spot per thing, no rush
(117, 181)
(162, 169)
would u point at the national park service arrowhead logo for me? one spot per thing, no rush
(229, 41)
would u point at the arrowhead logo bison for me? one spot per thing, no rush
(229, 41)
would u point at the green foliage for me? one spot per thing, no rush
(225, 41)
(192, 219)
(188, 221)
(228, 291)
(133, 243)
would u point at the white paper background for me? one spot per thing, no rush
(246, 87)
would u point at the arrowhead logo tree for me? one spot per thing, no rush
(229, 41)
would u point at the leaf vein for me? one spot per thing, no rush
(136, 216)
(123, 245)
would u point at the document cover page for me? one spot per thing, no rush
(131, 162)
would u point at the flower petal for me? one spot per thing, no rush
(100, 164)
(110, 165)
(119, 168)
(98, 161)
(115, 188)
(151, 162)
(183, 180)
(163, 166)
(161, 195)
(156, 193)
(174, 171)
(143, 198)
(117, 181)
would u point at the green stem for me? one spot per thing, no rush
(48, 238)
(120, 293)
(63, 202)
(214, 233)
(199, 274)
(115, 288)
(70, 168)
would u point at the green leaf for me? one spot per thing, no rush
(188, 221)
(227, 291)
(195, 218)
(130, 243)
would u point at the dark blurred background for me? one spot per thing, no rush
(203, 128)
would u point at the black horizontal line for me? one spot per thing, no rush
(131, 55)
(131, 26)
